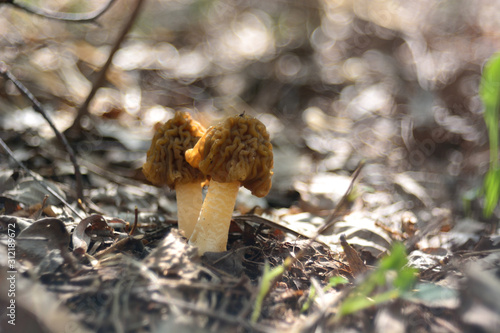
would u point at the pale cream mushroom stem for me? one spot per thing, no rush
(210, 233)
(189, 200)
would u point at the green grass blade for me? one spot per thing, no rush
(489, 92)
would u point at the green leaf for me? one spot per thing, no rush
(363, 296)
(357, 303)
(396, 260)
(307, 303)
(490, 85)
(489, 90)
(337, 280)
(268, 278)
(332, 283)
(354, 304)
(405, 279)
(432, 295)
(492, 191)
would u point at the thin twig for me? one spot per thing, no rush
(261, 220)
(136, 218)
(334, 217)
(28, 171)
(116, 246)
(101, 76)
(37, 106)
(341, 206)
(69, 17)
(39, 212)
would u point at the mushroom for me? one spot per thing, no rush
(234, 153)
(166, 165)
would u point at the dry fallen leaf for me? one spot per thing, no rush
(357, 265)
(95, 224)
(41, 237)
(173, 257)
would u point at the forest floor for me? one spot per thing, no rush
(375, 220)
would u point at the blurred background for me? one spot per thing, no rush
(335, 82)
(393, 83)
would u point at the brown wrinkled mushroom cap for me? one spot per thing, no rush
(237, 149)
(165, 164)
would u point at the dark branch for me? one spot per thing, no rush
(28, 171)
(101, 76)
(37, 106)
(70, 17)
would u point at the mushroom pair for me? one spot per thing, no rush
(236, 152)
